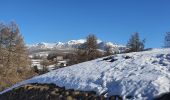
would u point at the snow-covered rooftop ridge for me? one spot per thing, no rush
(140, 75)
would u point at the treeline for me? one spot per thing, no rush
(90, 49)
(86, 52)
(14, 61)
(135, 44)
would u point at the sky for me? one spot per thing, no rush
(109, 20)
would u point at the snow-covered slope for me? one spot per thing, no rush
(71, 44)
(140, 75)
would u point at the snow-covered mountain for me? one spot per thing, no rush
(137, 75)
(72, 44)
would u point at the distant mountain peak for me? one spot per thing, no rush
(71, 44)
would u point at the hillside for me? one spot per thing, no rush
(138, 75)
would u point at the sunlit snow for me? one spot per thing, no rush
(142, 75)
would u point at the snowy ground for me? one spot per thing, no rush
(142, 75)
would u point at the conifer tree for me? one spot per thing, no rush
(167, 40)
(14, 60)
(135, 44)
(91, 49)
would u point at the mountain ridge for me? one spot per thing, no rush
(73, 44)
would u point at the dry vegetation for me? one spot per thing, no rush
(14, 61)
(51, 92)
(87, 51)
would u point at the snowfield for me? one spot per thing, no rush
(140, 75)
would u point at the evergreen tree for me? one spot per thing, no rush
(167, 40)
(135, 44)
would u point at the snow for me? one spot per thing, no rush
(51, 67)
(80, 41)
(71, 44)
(44, 45)
(141, 75)
(36, 62)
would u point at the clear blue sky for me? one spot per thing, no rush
(110, 20)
